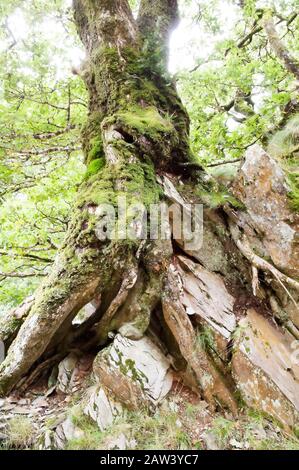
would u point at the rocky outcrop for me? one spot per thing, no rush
(265, 368)
(135, 371)
(269, 222)
(204, 295)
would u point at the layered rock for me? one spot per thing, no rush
(266, 370)
(135, 371)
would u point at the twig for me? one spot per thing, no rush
(224, 163)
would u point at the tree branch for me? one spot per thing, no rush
(26, 256)
(105, 22)
(21, 275)
(51, 135)
(46, 151)
(290, 63)
(157, 21)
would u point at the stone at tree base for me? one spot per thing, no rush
(205, 296)
(66, 370)
(117, 443)
(85, 313)
(135, 371)
(261, 186)
(200, 367)
(71, 431)
(265, 371)
(101, 407)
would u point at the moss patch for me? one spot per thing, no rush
(146, 121)
(96, 151)
(94, 167)
(293, 182)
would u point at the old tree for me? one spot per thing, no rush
(215, 311)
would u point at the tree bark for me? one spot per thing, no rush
(136, 126)
(280, 50)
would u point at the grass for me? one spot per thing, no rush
(252, 431)
(205, 339)
(162, 431)
(93, 436)
(222, 430)
(168, 429)
(21, 433)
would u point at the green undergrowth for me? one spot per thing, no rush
(293, 183)
(218, 196)
(20, 433)
(253, 431)
(168, 428)
(143, 430)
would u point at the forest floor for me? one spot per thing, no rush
(182, 421)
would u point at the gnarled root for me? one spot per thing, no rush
(259, 263)
(13, 320)
(61, 296)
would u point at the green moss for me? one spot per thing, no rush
(146, 121)
(136, 181)
(9, 328)
(94, 167)
(293, 194)
(139, 101)
(97, 151)
(128, 368)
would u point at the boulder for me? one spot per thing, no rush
(266, 370)
(135, 371)
(204, 295)
(66, 373)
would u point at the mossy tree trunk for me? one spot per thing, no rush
(136, 127)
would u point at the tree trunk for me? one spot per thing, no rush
(136, 127)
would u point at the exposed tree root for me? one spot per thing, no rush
(52, 306)
(13, 320)
(26, 382)
(128, 283)
(260, 263)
